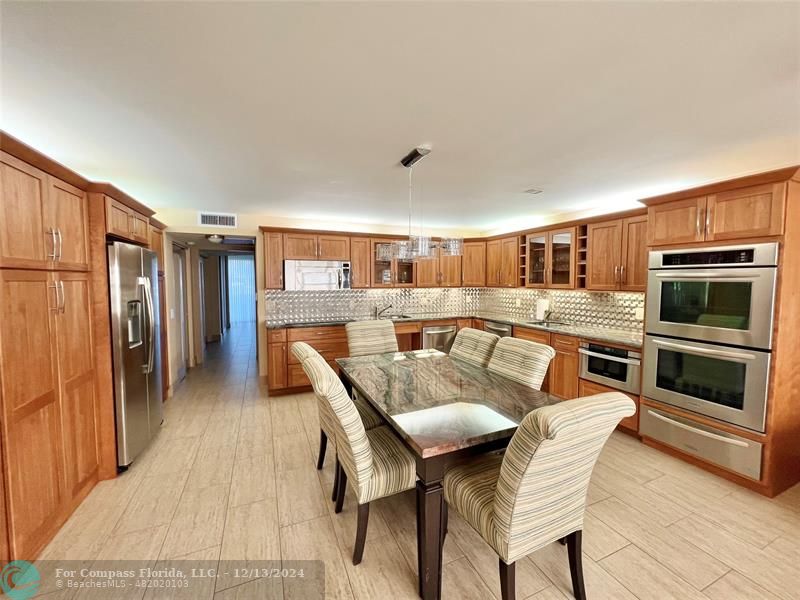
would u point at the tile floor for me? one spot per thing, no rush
(232, 476)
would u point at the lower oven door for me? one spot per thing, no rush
(729, 384)
(727, 450)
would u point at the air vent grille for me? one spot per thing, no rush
(217, 220)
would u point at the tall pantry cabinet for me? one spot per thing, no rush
(48, 402)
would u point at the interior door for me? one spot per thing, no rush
(604, 255)
(31, 417)
(67, 211)
(73, 331)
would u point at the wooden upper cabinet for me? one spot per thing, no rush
(29, 301)
(756, 211)
(680, 222)
(536, 260)
(428, 271)
(43, 220)
(473, 264)
(157, 245)
(124, 222)
(273, 260)
(633, 275)
(140, 228)
(333, 247)
(509, 266)
(360, 260)
(450, 271)
(604, 255)
(494, 256)
(561, 250)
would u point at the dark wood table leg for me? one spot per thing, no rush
(429, 535)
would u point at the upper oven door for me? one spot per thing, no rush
(725, 305)
(729, 384)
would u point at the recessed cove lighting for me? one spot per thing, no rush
(533, 191)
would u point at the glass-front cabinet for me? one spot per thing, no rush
(387, 269)
(551, 258)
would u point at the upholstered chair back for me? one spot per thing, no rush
(523, 361)
(474, 346)
(371, 337)
(544, 477)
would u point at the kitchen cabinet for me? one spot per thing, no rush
(617, 254)
(473, 264)
(550, 258)
(564, 368)
(277, 356)
(439, 270)
(360, 260)
(502, 260)
(273, 260)
(43, 220)
(5, 550)
(753, 211)
(124, 222)
(387, 270)
(284, 371)
(312, 246)
(590, 388)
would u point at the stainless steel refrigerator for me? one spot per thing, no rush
(135, 339)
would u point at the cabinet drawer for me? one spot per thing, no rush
(309, 334)
(565, 343)
(533, 335)
(297, 376)
(403, 328)
(329, 349)
(590, 388)
(276, 335)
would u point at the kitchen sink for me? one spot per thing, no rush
(547, 322)
(396, 317)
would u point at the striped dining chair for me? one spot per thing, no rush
(535, 493)
(375, 336)
(523, 361)
(473, 346)
(374, 461)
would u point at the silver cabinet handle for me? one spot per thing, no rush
(622, 273)
(63, 297)
(697, 222)
(54, 254)
(740, 356)
(707, 434)
(616, 273)
(60, 243)
(708, 220)
(627, 361)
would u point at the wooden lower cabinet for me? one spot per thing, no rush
(564, 368)
(284, 371)
(49, 435)
(590, 388)
(5, 551)
(276, 366)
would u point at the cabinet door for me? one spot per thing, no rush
(603, 255)
(564, 370)
(382, 265)
(473, 264)
(678, 222)
(31, 417)
(76, 369)
(494, 257)
(119, 219)
(157, 245)
(67, 211)
(25, 241)
(590, 388)
(141, 228)
(749, 212)
(633, 272)
(333, 247)
(273, 260)
(276, 366)
(450, 271)
(359, 262)
(428, 271)
(536, 260)
(5, 550)
(509, 272)
(561, 245)
(405, 272)
(300, 246)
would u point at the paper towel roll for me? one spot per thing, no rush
(542, 306)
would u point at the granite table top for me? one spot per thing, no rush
(439, 404)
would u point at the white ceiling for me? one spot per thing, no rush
(303, 110)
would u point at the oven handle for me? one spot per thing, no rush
(739, 276)
(695, 350)
(627, 361)
(707, 434)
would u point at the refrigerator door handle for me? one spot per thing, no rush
(151, 325)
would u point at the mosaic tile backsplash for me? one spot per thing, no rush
(580, 307)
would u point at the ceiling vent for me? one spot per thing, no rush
(207, 219)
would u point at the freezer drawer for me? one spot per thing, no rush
(725, 449)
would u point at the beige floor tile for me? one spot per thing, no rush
(198, 588)
(346, 523)
(260, 589)
(686, 492)
(382, 573)
(786, 549)
(254, 440)
(292, 452)
(635, 466)
(550, 593)
(600, 540)
(459, 580)
(253, 479)
(198, 522)
(315, 541)
(645, 577)
(153, 503)
(596, 493)
(251, 536)
(300, 496)
(175, 457)
(682, 558)
(285, 416)
(212, 466)
(735, 586)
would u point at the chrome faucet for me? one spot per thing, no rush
(379, 313)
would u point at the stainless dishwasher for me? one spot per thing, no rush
(439, 338)
(496, 328)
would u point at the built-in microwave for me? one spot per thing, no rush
(722, 294)
(316, 275)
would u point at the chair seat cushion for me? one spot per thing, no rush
(369, 416)
(393, 466)
(470, 490)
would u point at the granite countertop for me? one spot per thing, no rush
(625, 337)
(416, 392)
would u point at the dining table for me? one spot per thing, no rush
(445, 410)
